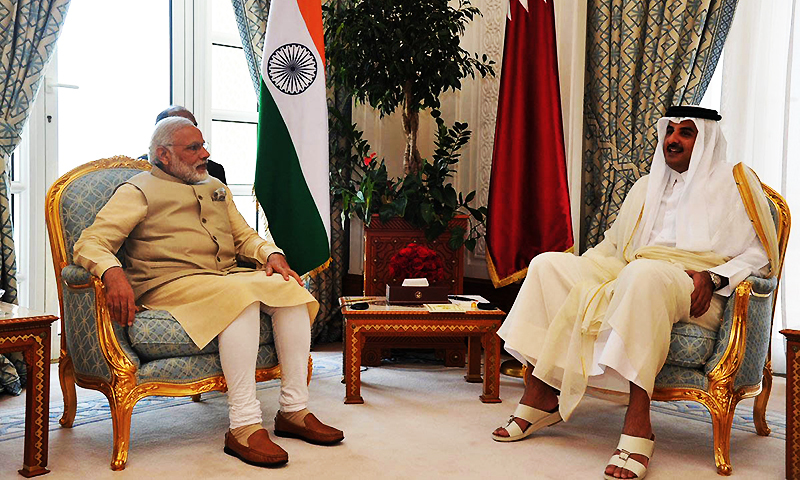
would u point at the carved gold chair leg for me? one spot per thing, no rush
(760, 404)
(196, 397)
(722, 421)
(121, 410)
(66, 377)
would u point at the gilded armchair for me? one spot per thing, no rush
(720, 369)
(155, 356)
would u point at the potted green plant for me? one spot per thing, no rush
(391, 53)
(426, 199)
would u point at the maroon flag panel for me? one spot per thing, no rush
(528, 197)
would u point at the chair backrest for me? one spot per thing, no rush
(73, 201)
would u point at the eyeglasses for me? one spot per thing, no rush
(192, 147)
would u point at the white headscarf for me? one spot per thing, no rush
(707, 197)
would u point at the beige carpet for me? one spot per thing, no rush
(419, 421)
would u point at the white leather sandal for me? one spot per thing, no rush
(538, 419)
(632, 446)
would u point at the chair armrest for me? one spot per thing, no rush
(75, 276)
(762, 286)
(88, 328)
(744, 333)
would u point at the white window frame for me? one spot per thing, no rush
(198, 38)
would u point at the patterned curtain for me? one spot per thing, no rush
(251, 17)
(28, 32)
(641, 57)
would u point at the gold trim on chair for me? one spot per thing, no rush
(721, 399)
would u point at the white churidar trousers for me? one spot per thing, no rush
(238, 351)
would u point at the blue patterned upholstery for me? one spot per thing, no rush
(75, 275)
(84, 197)
(672, 376)
(80, 330)
(759, 324)
(193, 368)
(156, 334)
(694, 351)
(690, 345)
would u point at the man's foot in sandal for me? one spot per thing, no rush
(539, 405)
(631, 458)
(524, 422)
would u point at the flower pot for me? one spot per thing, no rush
(383, 240)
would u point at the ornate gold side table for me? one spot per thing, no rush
(28, 331)
(389, 322)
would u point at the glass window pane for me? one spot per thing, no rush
(233, 145)
(231, 86)
(123, 72)
(246, 204)
(223, 21)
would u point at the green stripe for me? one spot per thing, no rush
(281, 189)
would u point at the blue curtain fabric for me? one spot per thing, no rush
(251, 17)
(28, 33)
(641, 57)
(326, 286)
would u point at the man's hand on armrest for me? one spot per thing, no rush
(704, 289)
(119, 296)
(276, 263)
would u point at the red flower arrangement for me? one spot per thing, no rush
(416, 261)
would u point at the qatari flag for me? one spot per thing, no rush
(528, 197)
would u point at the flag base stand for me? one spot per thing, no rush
(512, 368)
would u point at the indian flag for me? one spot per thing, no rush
(291, 181)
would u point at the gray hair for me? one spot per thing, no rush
(176, 111)
(163, 133)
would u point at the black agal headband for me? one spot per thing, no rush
(686, 111)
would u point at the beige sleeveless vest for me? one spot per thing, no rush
(186, 231)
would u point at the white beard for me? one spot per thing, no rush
(188, 173)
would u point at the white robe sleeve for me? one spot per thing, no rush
(749, 262)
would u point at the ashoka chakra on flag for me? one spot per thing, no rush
(292, 68)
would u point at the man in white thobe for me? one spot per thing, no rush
(681, 243)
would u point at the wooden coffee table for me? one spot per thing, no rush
(29, 331)
(381, 321)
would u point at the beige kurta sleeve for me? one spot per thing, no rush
(248, 243)
(96, 249)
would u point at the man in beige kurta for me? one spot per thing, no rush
(182, 235)
(680, 244)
